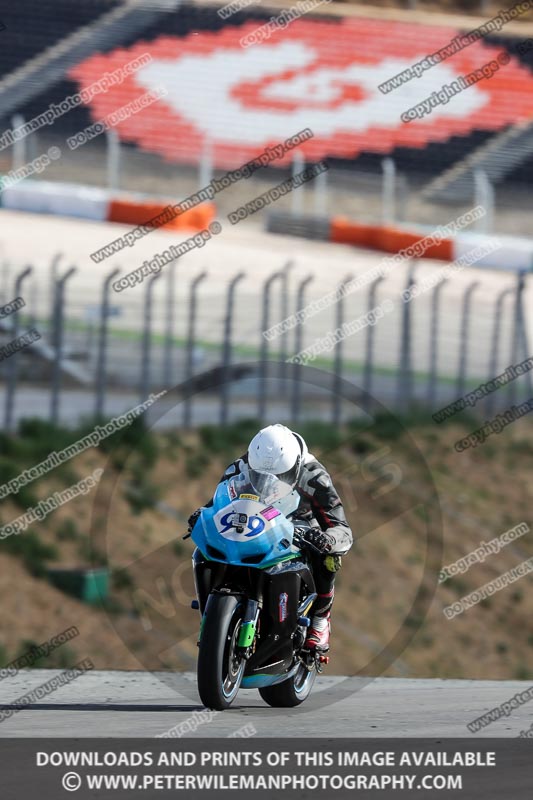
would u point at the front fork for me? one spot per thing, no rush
(207, 574)
(248, 629)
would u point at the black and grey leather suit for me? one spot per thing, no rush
(319, 501)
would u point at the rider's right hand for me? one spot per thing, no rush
(191, 522)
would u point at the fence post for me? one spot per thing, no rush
(169, 325)
(337, 357)
(524, 336)
(463, 344)
(113, 160)
(54, 264)
(6, 269)
(19, 157)
(405, 372)
(495, 343)
(263, 346)
(101, 362)
(284, 343)
(59, 316)
(434, 342)
(205, 169)
(226, 353)
(321, 194)
(388, 191)
(369, 344)
(484, 196)
(191, 337)
(297, 198)
(12, 367)
(32, 303)
(403, 193)
(144, 386)
(298, 339)
(519, 336)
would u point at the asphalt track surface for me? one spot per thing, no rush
(143, 704)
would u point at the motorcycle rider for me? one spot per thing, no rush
(277, 451)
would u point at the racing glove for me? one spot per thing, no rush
(319, 540)
(191, 522)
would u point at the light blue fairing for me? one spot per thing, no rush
(266, 535)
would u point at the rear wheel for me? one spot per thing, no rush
(220, 667)
(291, 692)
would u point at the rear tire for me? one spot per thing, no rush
(220, 670)
(292, 692)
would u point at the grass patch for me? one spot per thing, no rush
(142, 494)
(25, 497)
(67, 530)
(60, 658)
(134, 436)
(34, 553)
(121, 579)
(195, 464)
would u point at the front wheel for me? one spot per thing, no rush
(291, 692)
(220, 667)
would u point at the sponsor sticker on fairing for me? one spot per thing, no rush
(283, 600)
(270, 512)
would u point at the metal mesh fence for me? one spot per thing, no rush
(423, 352)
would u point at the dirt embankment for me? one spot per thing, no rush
(388, 616)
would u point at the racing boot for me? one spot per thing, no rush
(319, 632)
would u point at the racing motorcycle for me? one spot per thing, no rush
(255, 588)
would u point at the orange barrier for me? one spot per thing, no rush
(393, 240)
(144, 213)
(386, 239)
(345, 232)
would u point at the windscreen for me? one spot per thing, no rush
(270, 487)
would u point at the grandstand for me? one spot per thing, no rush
(435, 157)
(31, 28)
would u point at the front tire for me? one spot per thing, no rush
(220, 669)
(292, 692)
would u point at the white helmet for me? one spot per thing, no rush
(275, 456)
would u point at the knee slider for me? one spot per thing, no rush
(333, 563)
